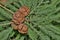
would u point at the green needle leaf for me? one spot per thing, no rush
(5, 34)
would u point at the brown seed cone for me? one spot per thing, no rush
(18, 14)
(4, 1)
(18, 20)
(14, 26)
(22, 28)
(24, 10)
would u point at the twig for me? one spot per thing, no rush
(6, 9)
(5, 24)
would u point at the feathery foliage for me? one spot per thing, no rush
(44, 20)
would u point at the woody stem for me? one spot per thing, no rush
(1, 5)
